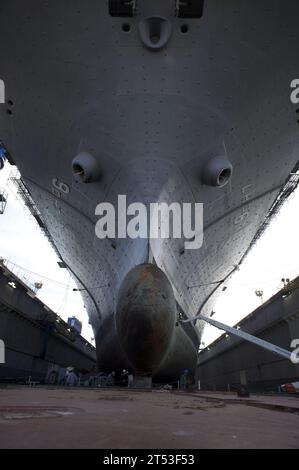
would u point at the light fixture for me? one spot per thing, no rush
(12, 284)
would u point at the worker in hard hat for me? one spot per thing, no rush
(124, 378)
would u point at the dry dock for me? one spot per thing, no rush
(122, 419)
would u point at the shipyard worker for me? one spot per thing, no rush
(124, 377)
(184, 380)
(72, 379)
(111, 379)
(130, 380)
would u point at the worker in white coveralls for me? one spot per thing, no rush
(72, 379)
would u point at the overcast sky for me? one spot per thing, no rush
(275, 256)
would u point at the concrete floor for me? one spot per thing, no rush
(123, 419)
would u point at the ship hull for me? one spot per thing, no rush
(152, 120)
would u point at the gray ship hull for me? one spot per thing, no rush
(77, 80)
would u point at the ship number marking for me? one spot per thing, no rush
(246, 196)
(59, 187)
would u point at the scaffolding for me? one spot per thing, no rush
(289, 187)
(27, 281)
(23, 194)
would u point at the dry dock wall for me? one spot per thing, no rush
(36, 340)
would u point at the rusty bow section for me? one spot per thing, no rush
(145, 317)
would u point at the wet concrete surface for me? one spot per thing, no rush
(122, 419)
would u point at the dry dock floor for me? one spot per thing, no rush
(124, 419)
